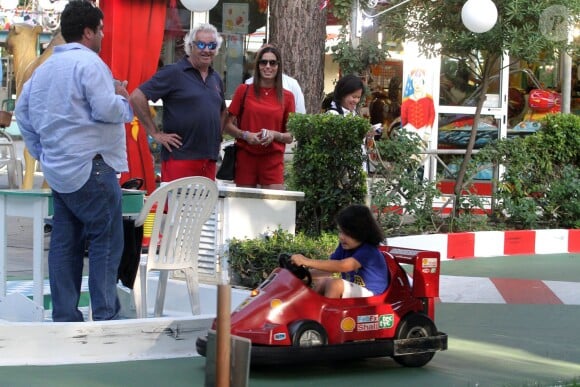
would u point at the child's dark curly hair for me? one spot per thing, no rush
(358, 222)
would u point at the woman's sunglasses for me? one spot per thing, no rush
(264, 62)
(202, 45)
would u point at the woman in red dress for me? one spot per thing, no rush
(257, 119)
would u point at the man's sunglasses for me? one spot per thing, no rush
(202, 45)
(264, 62)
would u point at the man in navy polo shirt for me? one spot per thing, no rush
(193, 108)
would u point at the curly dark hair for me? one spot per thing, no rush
(358, 222)
(78, 15)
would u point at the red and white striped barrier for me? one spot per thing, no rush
(493, 243)
(482, 290)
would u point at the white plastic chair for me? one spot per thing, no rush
(9, 160)
(175, 237)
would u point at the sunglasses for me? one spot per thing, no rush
(202, 45)
(265, 62)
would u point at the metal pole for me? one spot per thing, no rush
(267, 32)
(566, 81)
(355, 24)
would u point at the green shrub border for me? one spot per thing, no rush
(252, 260)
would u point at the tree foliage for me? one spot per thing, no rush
(357, 60)
(342, 9)
(521, 28)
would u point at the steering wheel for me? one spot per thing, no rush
(300, 272)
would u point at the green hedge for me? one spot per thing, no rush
(327, 167)
(252, 260)
(541, 184)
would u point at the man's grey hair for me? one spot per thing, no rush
(205, 27)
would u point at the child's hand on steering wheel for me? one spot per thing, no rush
(298, 259)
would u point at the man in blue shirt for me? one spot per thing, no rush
(71, 114)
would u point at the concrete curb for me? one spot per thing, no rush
(493, 243)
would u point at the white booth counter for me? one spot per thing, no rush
(248, 212)
(244, 213)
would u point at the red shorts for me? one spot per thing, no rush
(175, 169)
(253, 170)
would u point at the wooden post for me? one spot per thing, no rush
(223, 342)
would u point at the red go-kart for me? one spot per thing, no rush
(288, 322)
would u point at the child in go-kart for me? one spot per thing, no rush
(362, 266)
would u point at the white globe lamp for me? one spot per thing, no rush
(9, 4)
(199, 5)
(46, 5)
(60, 5)
(479, 16)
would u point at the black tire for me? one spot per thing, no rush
(415, 325)
(307, 334)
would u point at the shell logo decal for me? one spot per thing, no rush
(347, 324)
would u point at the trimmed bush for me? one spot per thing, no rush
(252, 260)
(327, 167)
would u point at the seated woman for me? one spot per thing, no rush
(346, 96)
(362, 266)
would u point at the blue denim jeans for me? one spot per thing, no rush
(92, 214)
